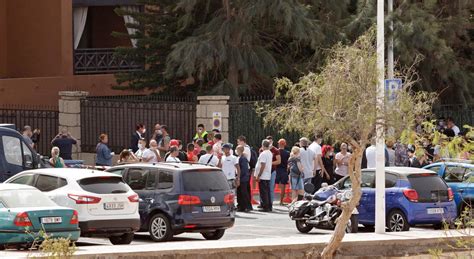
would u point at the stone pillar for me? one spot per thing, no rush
(70, 116)
(207, 105)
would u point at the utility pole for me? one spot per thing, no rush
(379, 127)
(390, 66)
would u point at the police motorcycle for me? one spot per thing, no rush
(322, 209)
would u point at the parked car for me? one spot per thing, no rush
(15, 154)
(460, 178)
(24, 211)
(106, 205)
(179, 197)
(413, 196)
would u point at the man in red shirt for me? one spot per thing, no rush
(276, 160)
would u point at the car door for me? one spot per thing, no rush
(454, 177)
(466, 188)
(392, 193)
(50, 185)
(367, 201)
(143, 182)
(12, 156)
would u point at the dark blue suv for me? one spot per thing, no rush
(179, 197)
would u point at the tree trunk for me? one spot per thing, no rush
(233, 76)
(347, 207)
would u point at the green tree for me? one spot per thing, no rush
(235, 44)
(340, 101)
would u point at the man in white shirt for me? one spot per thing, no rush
(450, 124)
(370, 154)
(230, 167)
(308, 160)
(263, 173)
(209, 158)
(320, 171)
(242, 141)
(173, 157)
(151, 155)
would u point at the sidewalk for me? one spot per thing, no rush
(306, 246)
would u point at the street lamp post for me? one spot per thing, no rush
(380, 137)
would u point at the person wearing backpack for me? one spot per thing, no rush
(295, 167)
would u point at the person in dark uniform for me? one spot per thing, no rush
(136, 136)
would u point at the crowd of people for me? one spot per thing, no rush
(244, 166)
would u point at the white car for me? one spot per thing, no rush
(106, 205)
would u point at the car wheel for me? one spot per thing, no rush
(123, 239)
(397, 221)
(215, 235)
(160, 228)
(302, 226)
(353, 224)
(369, 228)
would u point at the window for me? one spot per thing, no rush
(454, 174)
(390, 180)
(165, 180)
(12, 149)
(104, 185)
(368, 179)
(28, 156)
(198, 181)
(430, 187)
(347, 183)
(435, 168)
(47, 183)
(28, 179)
(1, 205)
(24, 198)
(137, 178)
(469, 176)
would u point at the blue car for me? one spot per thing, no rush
(25, 211)
(460, 177)
(413, 197)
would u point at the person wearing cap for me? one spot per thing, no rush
(282, 169)
(230, 166)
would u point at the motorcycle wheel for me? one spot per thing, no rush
(302, 226)
(353, 224)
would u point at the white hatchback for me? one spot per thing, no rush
(106, 205)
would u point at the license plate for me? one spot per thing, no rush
(51, 220)
(114, 206)
(211, 209)
(435, 211)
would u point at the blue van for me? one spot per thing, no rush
(15, 154)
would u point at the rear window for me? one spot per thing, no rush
(24, 198)
(430, 187)
(205, 181)
(104, 185)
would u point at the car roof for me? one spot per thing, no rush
(14, 186)
(69, 173)
(404, 170)
(184, 166)
(454, 163)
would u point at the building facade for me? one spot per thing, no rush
(49, 46)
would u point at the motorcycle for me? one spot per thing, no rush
(322, 209)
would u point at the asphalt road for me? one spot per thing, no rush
(247, 226)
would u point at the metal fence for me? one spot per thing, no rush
(462, 115)
(117, 117)
(43, 118)
(245, 121)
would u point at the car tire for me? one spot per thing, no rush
(369, 228)
(353, 224)
(215, 235)
(160, 228)
(302, 227)
(397, 221)
(123, 239)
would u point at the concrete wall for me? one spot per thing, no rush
(35, 38)
(207, 106)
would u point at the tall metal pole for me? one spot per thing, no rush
(379, 128)
(390, 68)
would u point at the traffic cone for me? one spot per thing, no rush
(288, 195)
(254, 190)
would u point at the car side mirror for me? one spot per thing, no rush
(309, 188)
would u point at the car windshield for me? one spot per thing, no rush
(24, 198)
(204, 181)
(104, 185)
(430, 187)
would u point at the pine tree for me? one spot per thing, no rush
(235, 45)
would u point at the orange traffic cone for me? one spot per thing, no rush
(254, 190)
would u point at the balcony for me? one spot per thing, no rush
(100, 61)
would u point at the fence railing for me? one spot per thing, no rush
(43, 118)
(98, 61)
(117, 117)
(462, 115)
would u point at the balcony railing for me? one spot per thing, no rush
(100, 61)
